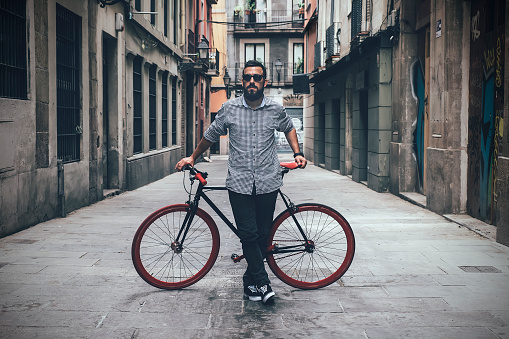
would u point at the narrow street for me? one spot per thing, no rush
(414, 275)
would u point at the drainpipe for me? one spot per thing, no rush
(61, 191)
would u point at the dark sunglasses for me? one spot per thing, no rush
(256, 77)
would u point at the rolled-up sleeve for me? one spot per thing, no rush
(285, 124)
(218, 127)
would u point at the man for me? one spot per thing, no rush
(254, 174)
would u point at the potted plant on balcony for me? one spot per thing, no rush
(237, 11)
(250, 7)
(301, 9)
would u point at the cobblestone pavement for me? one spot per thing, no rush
(415, 274)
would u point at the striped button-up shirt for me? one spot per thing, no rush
(252, 154)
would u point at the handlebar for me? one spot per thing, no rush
(202, 176)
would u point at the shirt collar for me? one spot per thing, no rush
(247, 106)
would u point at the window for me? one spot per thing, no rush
(68, 45)
(153, 9)
(298, 58)
(137, 107)
(255, 52)
(165, 10)
(174, 111)
(137, 5)
(175, 21)
(152, 117)
(164, 111)
(13, 54)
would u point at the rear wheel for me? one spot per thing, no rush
(165, 263)
(323, 259)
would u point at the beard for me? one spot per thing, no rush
(253, 96)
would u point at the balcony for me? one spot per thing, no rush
(283, 78)
(213, 63)
(192, 61)
(267, 20)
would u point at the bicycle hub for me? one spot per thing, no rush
(176, 247)
(310, 246)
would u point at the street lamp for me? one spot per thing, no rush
(226, 80)
(278, 65)
(203, 50)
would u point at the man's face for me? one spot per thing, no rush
(253, 90)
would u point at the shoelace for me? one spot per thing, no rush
(263, 289)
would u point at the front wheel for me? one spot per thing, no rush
(166, 263)
(323, 259)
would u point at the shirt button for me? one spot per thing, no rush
(254, 134)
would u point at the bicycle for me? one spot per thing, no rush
(309, 245)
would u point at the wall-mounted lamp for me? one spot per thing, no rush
(203, 50)
(279, 66)
(226, 80)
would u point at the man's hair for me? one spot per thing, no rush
(255, 63)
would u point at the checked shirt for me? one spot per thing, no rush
(252, 153)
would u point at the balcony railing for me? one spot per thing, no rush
(318, 54)
(267, 19)
(284, 77)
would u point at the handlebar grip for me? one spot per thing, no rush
(201, 179)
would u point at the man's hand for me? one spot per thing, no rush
(300, 160)
(183, 162)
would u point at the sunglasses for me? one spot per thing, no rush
(256, 77)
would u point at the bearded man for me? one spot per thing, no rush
(254, 174)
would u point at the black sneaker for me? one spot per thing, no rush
(252, 293)
(267, 294)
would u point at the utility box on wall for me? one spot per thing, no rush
(7, 148)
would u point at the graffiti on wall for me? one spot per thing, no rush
(419, 93)
(486, 100)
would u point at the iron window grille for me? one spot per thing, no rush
(137, 107)
(68, 45)
(164, 111)
(174, 111)
(356, 17)
(331, 40)
(152, 117)
(13, 54)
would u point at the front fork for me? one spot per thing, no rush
(178, 245)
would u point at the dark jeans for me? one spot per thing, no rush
(253, 215)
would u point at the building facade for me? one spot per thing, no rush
(92, 101)
(408, 96)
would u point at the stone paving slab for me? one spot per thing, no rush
(415, 274)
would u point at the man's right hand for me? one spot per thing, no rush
(183, 162)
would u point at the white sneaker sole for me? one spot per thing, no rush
(268, 297)
(254, 298)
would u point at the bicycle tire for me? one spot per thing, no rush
(165, 267)
(334, 247)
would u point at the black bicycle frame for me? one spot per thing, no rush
(193, 207)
